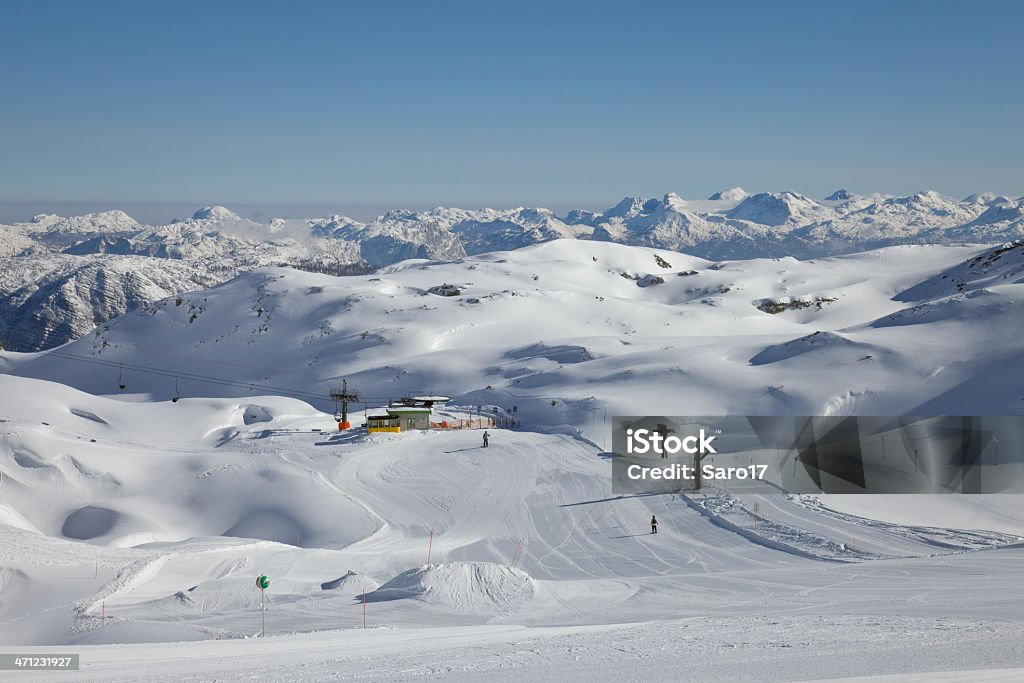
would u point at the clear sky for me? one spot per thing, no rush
(394, 104)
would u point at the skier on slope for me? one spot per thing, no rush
(487, 438)
(654, 524)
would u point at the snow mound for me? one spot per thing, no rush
(12, 518)
(561, 353)
(462, 586)
(12, 582)
(1003, 264)
(806, 344)
(87, 415)
(351, 584)
(977, 306)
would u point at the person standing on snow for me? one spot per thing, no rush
(654, 524)
(487, 438)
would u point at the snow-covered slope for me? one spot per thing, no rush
(63, 277)
(49, 300)
(559, 320)
(148, 523)
(127, 516)
(731, 224)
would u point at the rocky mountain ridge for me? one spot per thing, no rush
(62, 276)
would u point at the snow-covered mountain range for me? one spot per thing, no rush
(62, 276)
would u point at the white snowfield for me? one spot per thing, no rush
(133, 528)
(901, 330)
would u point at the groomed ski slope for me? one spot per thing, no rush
(700, 649)
(536, 570)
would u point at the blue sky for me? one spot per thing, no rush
(378, 103)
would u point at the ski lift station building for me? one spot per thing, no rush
(414, 413)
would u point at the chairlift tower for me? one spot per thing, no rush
(344, 397)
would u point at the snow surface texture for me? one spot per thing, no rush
(112, 264)
(535, 570)
(567, 332)
(128, 518)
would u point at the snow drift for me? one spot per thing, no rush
(475, 587)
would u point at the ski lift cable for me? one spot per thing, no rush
(249, 366)
(209, 379)
(195, 377)
(177, 373)
(190, 376)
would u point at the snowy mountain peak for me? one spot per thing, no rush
(1002, 212)
(930, 202)
(114, 219)
(925, 197)
(776, 208)
(627, 205)
(216, 213)
(581, 217)
(839, 195)
(327, 222)
(674, 202)
(45, 218)
(631, 207)
(61, 231)
(733, 194)
(986, 199)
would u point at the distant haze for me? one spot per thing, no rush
(160, 213)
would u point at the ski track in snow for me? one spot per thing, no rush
(592, 565)
(944, 541)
